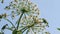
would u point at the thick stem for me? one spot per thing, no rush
(19, 20)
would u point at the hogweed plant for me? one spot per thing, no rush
(28, 20)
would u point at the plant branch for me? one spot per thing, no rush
(25, 28)
(9, 29)
(10, 22)
(19, 20)
(27, 31)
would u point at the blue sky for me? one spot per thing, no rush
(49, 9)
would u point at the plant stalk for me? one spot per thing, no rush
(19, 20)
(10, 22)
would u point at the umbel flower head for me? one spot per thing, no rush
(34, 23)
(19, 6)
(30, 21)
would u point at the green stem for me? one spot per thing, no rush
(19, 20)
(31, 25)
(10, 22)
(27, 31)
(25, 28)
(9, 29)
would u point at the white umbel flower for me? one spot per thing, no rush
(25, 6)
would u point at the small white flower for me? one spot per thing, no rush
(25, 6)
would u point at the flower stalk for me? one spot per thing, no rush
(10, 22)
(19, 20)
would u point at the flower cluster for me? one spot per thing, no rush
(34, 23)
(19, 6)
(30, 13)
